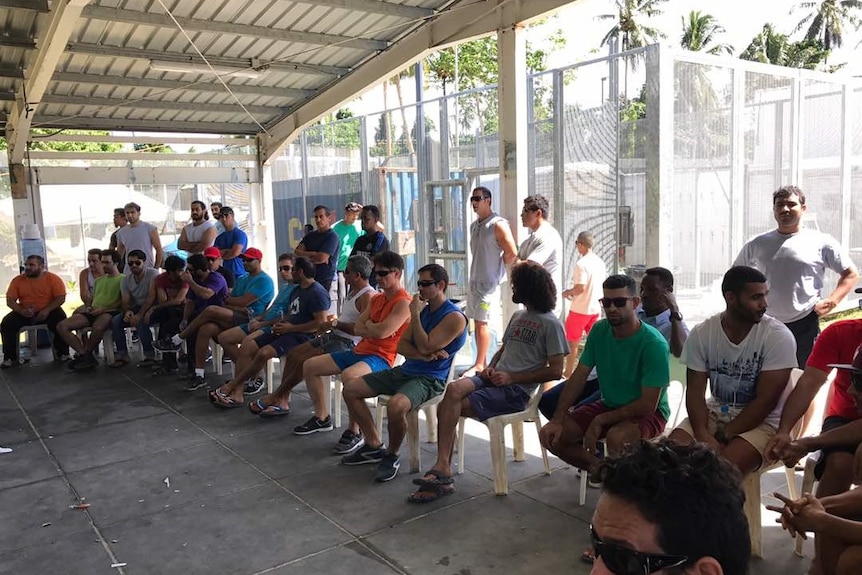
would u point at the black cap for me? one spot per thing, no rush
(855, 367)
(859, 290)
(225, 211)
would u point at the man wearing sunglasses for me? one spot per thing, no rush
(532, 353)
(841, 434)
(631, 360)
(436, 332)
(137, 297)
(216, 264)
(493, 248)
(745, 358)
(544, 244)
(669, 508)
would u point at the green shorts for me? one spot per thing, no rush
(417, 388)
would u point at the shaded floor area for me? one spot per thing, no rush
(177, 486)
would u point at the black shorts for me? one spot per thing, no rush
(830, 423)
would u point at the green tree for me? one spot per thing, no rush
(771, 47)
(700, 32)
(828, 19)
(629, 29)
(339, 129)
(39, 142)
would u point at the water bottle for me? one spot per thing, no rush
(250, 312)
(280, 316)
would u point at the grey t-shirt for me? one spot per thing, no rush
(137, 238)
(530, 339)
(487, 269)
(138, 290)
(795, 265)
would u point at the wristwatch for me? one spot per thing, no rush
(675, 315)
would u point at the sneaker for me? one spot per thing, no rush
(388, 468)
(253, 385)
(86, 361)
(166, 344)
(348, 443)
(313, 425)
(196, 382)
(365, 454)
(64, 358)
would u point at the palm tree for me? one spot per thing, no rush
(628, 28)
(699, 34)
(771, 47)
(827, 20)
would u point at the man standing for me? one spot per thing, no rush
(584, 310)
(436, 332)
(794, 260)
(137, 298)
(215, 208)
(746, 358)
(373, 241)
(544, 245)
(532, 353)
(347, 230)
(493, 248)
(631, 359)
(119, 222)
(33, 297)
(321, 246)
(200, 233)
(107, 300)
(231, 242)
(215, 264)
(139, 235)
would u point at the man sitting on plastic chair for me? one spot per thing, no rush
(841, 434)
(746, 357)
(438, 329)
(532, 352)
(631, 359)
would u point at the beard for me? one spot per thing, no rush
(516, 298)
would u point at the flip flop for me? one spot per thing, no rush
(226, 402)
(257, 406)
(430, 495)
(439, 480)
(216, 394)
(276, 412)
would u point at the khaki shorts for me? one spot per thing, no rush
(757, 437)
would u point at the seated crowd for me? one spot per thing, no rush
(606, 418)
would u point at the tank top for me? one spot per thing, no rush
(381, 307)
(439, 368)
(137, 238)
(195, 233)
(91, 280)
(487, 269)
(349, 314)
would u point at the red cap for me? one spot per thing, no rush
(212, 252)
(252, 254)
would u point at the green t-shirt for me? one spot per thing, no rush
(624, 366)
(348, 234)
(106, 292)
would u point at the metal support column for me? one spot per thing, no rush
(846, 162)
(659, 157)
(303, 154)
(737, 171)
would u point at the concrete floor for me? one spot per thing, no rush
(246, 496)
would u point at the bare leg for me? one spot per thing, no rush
(100, 326)
(230, 340)
(213, 313)
(356, 391)
(397, 408)
(449, 411)
(265, 354)
(65, 327)
(483, 342)
(206, 332)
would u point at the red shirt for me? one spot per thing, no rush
(837, 344)
(172, 287)
(381, 307)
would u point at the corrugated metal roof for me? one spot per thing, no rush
(107, 79)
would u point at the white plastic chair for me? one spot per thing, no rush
(496, 429)
(107, 342)
(430, 409)
(31, 337)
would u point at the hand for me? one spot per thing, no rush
(253, 325)
(439, 354)
(186, 276)
(148, 315)
(776, 445)
(500, 378)
(417, 304)
(795, 451)
(134, 320)
(591, 436)
(279, 328)
(824, 306)
(669, 300)
(568, 294)
(184, 324)
(42, 316)
(800, 516)
(95, 311)
(550, 434)
(128, 315)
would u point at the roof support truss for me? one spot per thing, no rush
(375, 7)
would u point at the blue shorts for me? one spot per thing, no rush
(489, 400)
(281, 343)
(345, 359)
(244, 327)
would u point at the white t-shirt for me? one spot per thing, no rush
(589, 271)
(545, 247)
(795, 265)
(195, 233)
(530, 339)
(734, 368)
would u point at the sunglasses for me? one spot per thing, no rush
(211, 259)
(135, 263)
(478, 198)
(382, 273)
(618, 302)
(425, 283)
(624, 561)
(285, 268)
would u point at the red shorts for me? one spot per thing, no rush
(578, 324)
(651, 425)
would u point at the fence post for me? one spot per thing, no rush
(659, 157)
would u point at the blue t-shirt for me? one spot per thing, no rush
(228, 239)
(215, 281)
(260, 285)
(326, 242)
(281, 303)
(305, 302)
(439, 368)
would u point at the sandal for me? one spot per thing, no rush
(436, 481)
(430, 495)
(257, 406)
(226, 402)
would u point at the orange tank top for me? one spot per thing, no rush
(381, 307)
